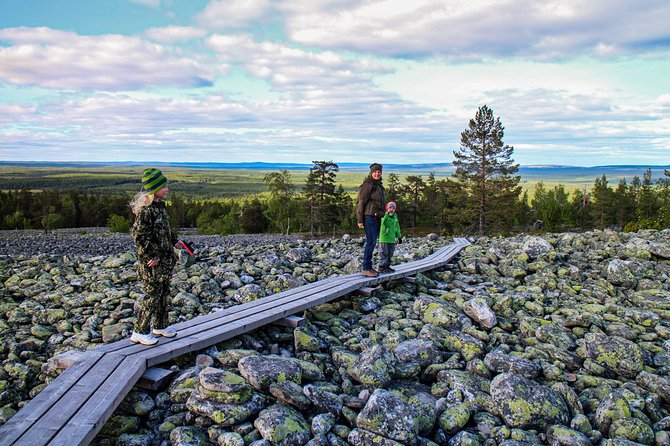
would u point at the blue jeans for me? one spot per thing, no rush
(371, 226)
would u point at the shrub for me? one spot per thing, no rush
(117, 223)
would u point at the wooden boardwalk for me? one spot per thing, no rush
(74, 407)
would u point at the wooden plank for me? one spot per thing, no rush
(365, 291)
(228, 317)
(61, 413)
(290, 321)
(155, 378)
(218, 331)
(93, 415)
(24, 420)
(183, 326)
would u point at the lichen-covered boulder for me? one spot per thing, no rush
(222, 386)
(454, 417)
(374, 366)
(479, 311)
(632, 429)
(226, 414)
(613, 408)
(362, 437)
(138, 403)
(290, 393)
(188, 436)
(615, 354)
(282, 425)
(299, 255)
(182, 386)
(249, 293)
(500, 362)
(526, 404)
(421, 351)
(323, 423)
(563, 435)
(120, 424)
(323, 400)
(419, 398)
(261, 371)
(656, 384)
(305, 341)
(536, 247)
(620, 273)
(388, 415)
(467, 345)
(231, 357)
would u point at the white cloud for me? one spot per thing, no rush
(172, 34)
(462, 29)
(234, 14)
(65, 60)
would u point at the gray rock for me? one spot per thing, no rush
(500, 362)
(388, 415)
(261, 371)
(375, 366)
(188, 436)
(526, 404)
(283, 426)
(536, 247)
(614, 353)
(480, 312)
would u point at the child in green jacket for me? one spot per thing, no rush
(388, 233)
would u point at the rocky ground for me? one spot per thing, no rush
(562, 339)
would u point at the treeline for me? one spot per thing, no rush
(322, 206)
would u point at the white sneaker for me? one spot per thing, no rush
(144, 339)
(165, 332)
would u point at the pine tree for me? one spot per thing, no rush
(485, 167)
(602, 196)
(320, 193)
(281, 207)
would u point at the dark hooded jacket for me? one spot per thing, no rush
(371, 199)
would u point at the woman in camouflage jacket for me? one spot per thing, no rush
(155, 242)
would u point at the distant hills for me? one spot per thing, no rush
(547, 173)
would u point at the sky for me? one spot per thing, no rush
(574, 82)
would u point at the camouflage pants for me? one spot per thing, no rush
(151, 310)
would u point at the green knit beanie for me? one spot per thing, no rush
(153, 180)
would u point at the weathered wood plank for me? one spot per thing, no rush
(155, 378)
(152, 378)
(92, 416)
(61, 413)
(25, 419)
(218, 331)
(365, 291)
(124, 345)
(227, 317)
(290, 321)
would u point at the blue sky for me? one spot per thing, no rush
(575, 82)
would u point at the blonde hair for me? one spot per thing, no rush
(140, 200)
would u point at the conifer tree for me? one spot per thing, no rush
(485, 167)
(320, 193)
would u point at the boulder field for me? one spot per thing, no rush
(551, 339)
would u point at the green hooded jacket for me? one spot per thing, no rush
(390, 228)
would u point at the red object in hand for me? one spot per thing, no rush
(186, 247)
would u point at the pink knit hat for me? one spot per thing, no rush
(391, 204)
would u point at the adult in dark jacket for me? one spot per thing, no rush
(369, 211)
